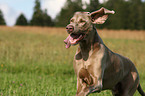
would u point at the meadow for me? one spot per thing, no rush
(35, 62)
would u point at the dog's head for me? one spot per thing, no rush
(81, 22)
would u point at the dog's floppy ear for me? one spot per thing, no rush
(100, 16)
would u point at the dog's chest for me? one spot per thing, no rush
(92, 63)
(81, 64)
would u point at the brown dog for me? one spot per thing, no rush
(96, 66)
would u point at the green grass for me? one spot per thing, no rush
(34, 64)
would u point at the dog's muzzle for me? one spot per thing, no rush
(69, 29)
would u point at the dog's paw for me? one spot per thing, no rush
(95, 89)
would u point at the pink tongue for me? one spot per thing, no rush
(67, 42)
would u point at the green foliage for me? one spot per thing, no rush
(94, 4)
(40, 18)
(47, 19)
(37, 15)
(136, 16)
(21, 20)
(120, 19)
(2, 21)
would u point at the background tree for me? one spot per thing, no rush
(2, 20)
(21, 20)
(93, 6)
(143, 13)
(70, 7)
(47, 21)
(118, 20)
(39, 17)
(135, 14)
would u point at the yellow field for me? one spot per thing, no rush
(122, 34)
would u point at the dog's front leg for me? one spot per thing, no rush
(98, 71)
(79, 86)
(97, 86)
(97, 81)
(86, 90)
(82, 89)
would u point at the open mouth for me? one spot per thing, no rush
(73, 39)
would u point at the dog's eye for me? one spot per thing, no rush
(72, 20)
(82, 21)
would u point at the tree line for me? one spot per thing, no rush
(130, 14)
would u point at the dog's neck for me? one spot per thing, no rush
(90, 44)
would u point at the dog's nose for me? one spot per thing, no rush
(69, 28)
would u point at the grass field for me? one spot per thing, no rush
(35, 62)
